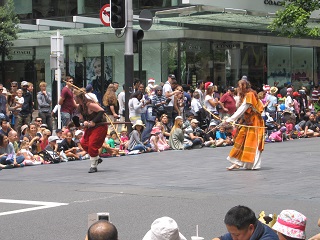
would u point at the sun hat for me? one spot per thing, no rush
(155, 130)
(78, 132)
(291, 223)
(164, 228)
(24, 127)
(138, 123)
(273, 90)
(53, 138)
(207, 84)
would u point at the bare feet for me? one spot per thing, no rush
(233, 166)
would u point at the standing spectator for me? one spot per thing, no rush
(111, 105)
(67, 102)
(90, 94)
(5, 127)
(14, 88)
(228, 103)
(122, 105)
(136, 84)
(289, 101)
(3, 103)
(25, 115)
(196, 105)
(158, 102)
(210, 102)
(315, 94)
(150, 89)
(272, 103)
(13, 107)
(44, 105)
(169, 94)
(179, 103)
(136, 105)
(283, 90)
(200, 90)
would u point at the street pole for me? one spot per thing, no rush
(128, 59)
(58, 77)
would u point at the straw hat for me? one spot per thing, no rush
(273, 90)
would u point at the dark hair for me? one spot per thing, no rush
(102, 230)
(1, 139)
(136, 94)
(136, 81)
(240, 217)
(199, 82)
(113, 132)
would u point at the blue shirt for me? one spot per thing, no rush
(220, 135)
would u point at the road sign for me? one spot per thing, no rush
(105, 15)
(145, 19)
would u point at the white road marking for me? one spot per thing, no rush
(43, 205)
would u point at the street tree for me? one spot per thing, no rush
(293, 20)
(8, 31)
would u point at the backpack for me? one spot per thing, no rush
(50, 156)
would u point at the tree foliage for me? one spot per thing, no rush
(8, 27)
(293, 19)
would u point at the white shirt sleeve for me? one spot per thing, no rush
(240, 111)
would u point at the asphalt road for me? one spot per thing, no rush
(192, 186)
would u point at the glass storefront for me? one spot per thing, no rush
(290, 64)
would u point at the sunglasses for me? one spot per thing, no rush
(1, 89)
(39, 120)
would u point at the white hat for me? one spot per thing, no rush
(53, 138)
(78, 132)
(194, 121)
(138, 123)
(24, 127)
(92, 96)
(178, 117)
(164, 228)
(24, 83)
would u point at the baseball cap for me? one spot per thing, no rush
(231, 89)
(53, 138)
(78, 132)
(89, 88)
(24, 83)
(172, 76)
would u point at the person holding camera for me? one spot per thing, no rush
(195, 134)
(34, 138)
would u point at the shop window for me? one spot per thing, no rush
(302, 66)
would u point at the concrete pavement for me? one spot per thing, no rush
(193, 187)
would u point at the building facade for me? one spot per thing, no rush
(216, 41)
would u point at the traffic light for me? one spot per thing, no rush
(118, 14)
(137, 37)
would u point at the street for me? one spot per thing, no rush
(52, 202)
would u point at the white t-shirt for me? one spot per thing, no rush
(289, 102)
(208, 105)
(121, 100)
(19, 100)
(167, 88)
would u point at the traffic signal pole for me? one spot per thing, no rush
(128, 58)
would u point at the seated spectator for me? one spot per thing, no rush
(111, 142)
(194, 133)
(195, 104)
(80, 151)
(13, 138)
(221, 137)
(177, 140)
(7, 153)
(210, 135)
(290, 225)
(135, 142)
(278, 135)
(52, 150)
(124, 138)
(69, 147)
(24, 131)
(311, 129)
(44, 139)
(102, 230)
(158, 141)
(242, 223)
(164, 228)
(5, 127)
(59, 133)
(34, 138)
(189, 117)
(166, 126)
(29, 158)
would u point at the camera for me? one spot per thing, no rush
(103, 216)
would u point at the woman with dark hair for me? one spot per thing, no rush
(110, 101)
(249, 143)
(8, 158)
(96, 128)
(136, 105)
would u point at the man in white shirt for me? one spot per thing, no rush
(169, 94)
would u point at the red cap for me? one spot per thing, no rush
(207, 84)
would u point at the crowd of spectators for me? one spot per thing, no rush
(164, 116)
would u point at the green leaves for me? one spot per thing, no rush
(8, 27)
(294, 19)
